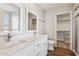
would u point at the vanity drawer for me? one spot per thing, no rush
(35, 53)
(36, 44)
(26, 51)
(35, 47)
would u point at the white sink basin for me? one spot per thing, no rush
(9, 44)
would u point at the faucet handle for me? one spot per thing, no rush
(9, 36)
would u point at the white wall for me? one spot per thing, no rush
(50, 18)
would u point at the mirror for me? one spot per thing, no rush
(32, 21)
(9, 17)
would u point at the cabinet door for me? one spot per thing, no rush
(44, 46)
(44, 50)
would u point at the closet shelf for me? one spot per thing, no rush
(63, 30)
(63, 20)
(64, 27)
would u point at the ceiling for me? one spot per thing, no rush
(8, 7)
(49, 6)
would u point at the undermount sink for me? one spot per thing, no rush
(9, 44)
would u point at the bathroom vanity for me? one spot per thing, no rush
(26, 46)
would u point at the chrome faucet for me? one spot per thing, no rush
(9, 36)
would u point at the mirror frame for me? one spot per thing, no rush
(26, 18)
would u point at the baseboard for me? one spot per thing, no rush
(75, 52)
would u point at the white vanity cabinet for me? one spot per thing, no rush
(37, 48)
(27, 50)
